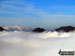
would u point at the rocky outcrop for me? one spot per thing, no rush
(38, 30)
(65, 29)
(2, 29)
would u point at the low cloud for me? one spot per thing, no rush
(19, 43)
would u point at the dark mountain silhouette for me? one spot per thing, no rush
(2, 29)
(38, 30)
(65, 29)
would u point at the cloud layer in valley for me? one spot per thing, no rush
(19, 43)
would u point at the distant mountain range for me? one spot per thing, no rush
(38, 29)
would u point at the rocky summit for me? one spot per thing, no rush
(38, 30)
(65, 29)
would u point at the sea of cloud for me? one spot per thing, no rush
(19, 43)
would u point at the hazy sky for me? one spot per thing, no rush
(37, 13)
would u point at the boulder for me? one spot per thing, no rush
(38, 30)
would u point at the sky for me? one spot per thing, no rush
(47, 14)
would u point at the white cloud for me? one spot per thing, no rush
(34, 44)
(27, 8)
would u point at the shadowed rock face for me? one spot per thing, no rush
(65, 29)
(2, 29)
(38, 30)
